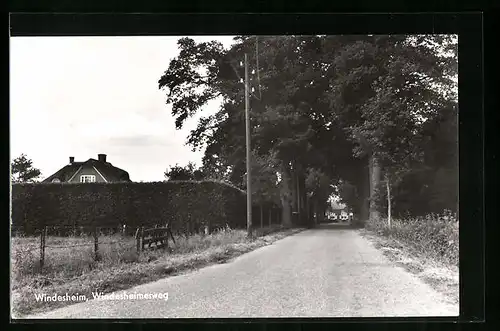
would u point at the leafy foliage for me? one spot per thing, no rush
(318, 185)
(264, 179)
(189, 172)
(321, 104)
(23, 171)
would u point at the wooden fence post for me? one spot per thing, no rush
(142, 238)
(43, 234)
(138, 240)
(96, 244)
(169, 232)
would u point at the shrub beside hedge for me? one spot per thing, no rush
(187, 205)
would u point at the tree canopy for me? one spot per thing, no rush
(324, 109)
(188, 172)
(23, 171)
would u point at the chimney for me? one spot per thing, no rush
(101, 157)
(71, 159)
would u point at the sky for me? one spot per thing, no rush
(83, 96)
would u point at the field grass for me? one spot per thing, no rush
(70, 267)
(425, 246)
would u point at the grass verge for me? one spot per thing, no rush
(73, 270)
(427, 248)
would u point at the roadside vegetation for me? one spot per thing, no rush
(371, 119)
(426, 246)
(71, 269)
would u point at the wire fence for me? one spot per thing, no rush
(155, 237)
(53, 237)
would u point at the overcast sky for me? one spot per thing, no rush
(80, 96)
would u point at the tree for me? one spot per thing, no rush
(265, 190)
(319, 189)
(188, 172)
(188, 90)
(22, 170)
(351, 107)
(432, 185)
(385, 88)
(348, 195)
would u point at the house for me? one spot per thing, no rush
(89, 171)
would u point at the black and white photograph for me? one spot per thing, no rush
(234, 176)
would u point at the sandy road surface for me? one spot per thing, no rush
(325, 272)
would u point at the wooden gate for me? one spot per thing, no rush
(153, 238)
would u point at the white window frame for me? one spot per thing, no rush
(87, 179)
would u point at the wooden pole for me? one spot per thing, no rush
(388, 201)
(171, 234)
(96, 244)
(43, 234)
(247, 122)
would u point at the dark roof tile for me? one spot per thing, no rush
(109, 171)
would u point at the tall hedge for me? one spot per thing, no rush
(187, 205)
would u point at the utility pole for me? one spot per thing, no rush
(247, 122)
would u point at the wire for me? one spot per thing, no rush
(89, 244)
(257, 60)
(26, 250)
(68, 246)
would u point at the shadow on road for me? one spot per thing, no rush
(335, 226)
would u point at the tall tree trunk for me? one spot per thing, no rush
(303, 200)
(311, 211)
(320, 211)
(286, 213)
(363, 196)
(388, 186)
(270, 216)
(299, 219)
(293, 187)
(306, 210)
(301, 197)
(315, 211)
(375, 178)
(261, 216)
(285, 196)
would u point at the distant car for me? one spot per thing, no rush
(333, 218)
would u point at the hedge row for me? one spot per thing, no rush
(187, 205)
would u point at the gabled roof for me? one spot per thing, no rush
(109, 171)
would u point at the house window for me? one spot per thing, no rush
(87, 178)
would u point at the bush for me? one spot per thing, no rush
(187, 205)
(435, 234)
